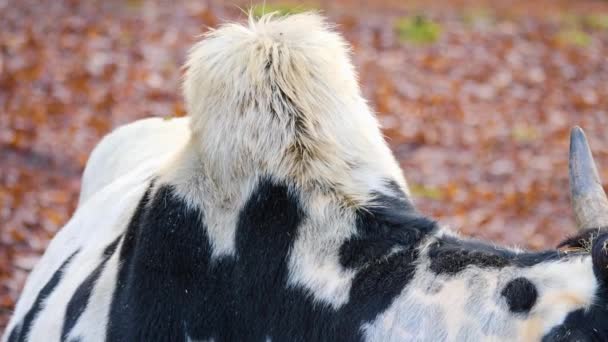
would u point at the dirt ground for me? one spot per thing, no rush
(476, 98)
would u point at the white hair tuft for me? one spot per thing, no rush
(280, 96)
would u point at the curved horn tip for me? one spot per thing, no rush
(589, 201)
(577, 138)
(583, 173)
(577, 129)
(578, 142)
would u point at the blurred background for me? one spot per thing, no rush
(476, 98)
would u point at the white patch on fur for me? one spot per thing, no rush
(563, 287)
(128, 146)
(314, 262)
(93, 322)
(469, 306)
(220, 205)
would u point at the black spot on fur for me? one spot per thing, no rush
(520, 295)
(79, 301)
(44, 293)
(170, 287)
(450, 256)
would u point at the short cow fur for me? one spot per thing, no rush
(275, 211)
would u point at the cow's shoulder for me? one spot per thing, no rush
(150, 141)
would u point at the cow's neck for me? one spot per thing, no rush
(228, 168)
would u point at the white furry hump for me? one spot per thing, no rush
(280, 96)
(241, 67)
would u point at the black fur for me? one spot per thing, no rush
(14, 335)
(450, 256)
(520, 295)
(390, 222)
(583, 239)
(398, 194)
(80, 299)
(170, 288)
(376, 285)
(599, 255)
(24, 327)
(582, 326)
(125, 256)
(589, 324)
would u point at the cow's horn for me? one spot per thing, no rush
(589, 201)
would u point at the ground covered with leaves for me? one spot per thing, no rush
(476, 97)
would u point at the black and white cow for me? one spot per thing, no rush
(276, 211)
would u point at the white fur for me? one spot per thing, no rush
(92, 324)
(320, 133)
(561, 291)
(314, 259)
(128, 146)
(93, 226)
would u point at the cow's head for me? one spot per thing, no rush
(590, 206)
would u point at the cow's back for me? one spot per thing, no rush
(262, 223)
(151, 140)
(77, 269)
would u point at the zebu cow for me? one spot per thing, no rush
(276, 211)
